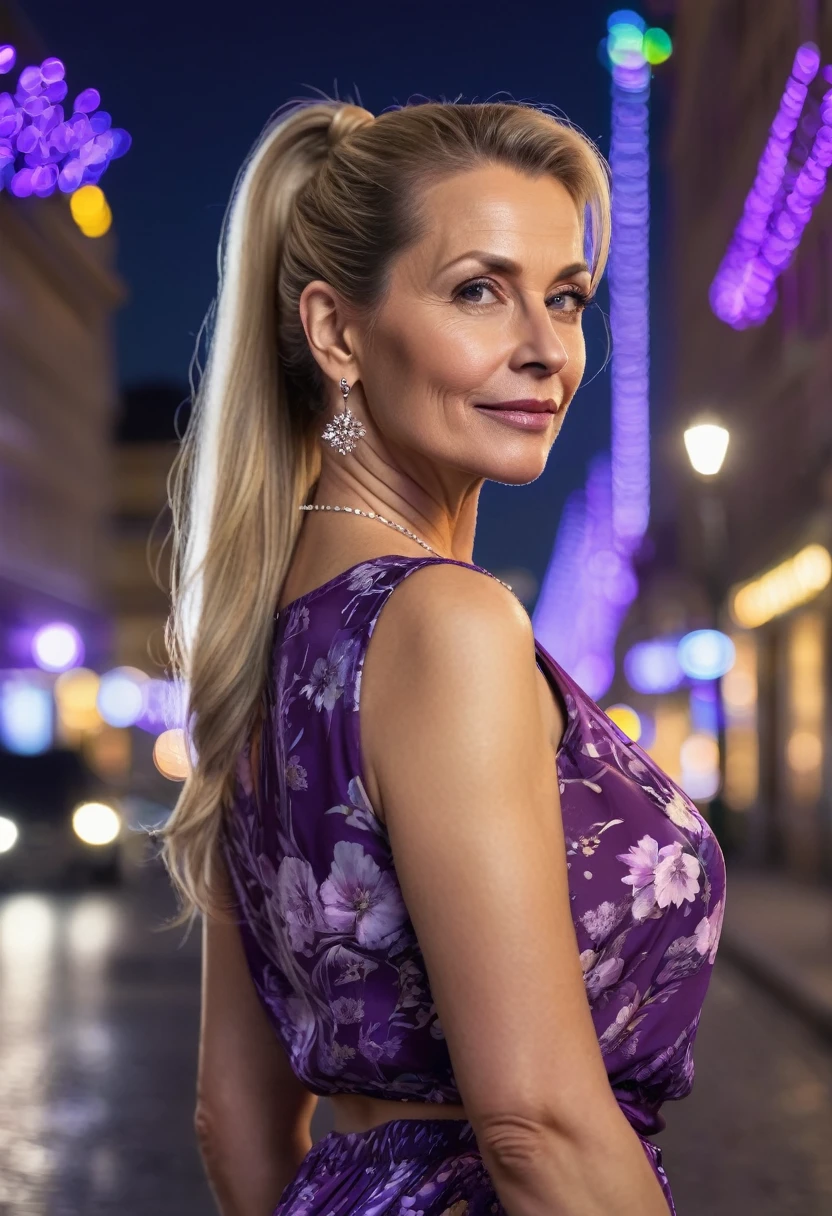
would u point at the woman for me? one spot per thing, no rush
(473, 914)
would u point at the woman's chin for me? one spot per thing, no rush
(517, 469)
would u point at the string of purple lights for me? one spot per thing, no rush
(42, 150)
(778, 206)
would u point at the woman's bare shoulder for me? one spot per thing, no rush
(446, 604)
(461, 751)
(451, 649)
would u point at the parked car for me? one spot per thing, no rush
(56, 821)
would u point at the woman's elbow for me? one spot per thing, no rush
(203, 1123)
(207, 1129)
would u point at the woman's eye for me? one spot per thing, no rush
(562, 301)
(568, 301)
(475, 287)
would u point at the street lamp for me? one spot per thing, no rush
(706, 443)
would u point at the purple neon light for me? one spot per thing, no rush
(629, 305)
(778, 207)
(42, 150)
(588, 586)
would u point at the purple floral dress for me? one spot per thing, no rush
(334, 956)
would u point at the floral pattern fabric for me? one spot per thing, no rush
(331, 948)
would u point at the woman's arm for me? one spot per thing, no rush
(454, 732)
(252, 1114)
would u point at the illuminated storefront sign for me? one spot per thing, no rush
(787, 586)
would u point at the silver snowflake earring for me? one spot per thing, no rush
(344, 431)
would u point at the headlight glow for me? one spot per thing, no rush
(8, 834)
(95, 823)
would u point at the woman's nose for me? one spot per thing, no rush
(539, 341)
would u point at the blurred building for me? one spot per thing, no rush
(58, 292)
(771, 386)
(145, 447)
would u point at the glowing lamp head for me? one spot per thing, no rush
(96, 823)
(706, 445)
(706, 654)
(57, 647)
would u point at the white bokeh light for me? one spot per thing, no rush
(120, 698)
(57, 647)
(96, 823)
(8, 834)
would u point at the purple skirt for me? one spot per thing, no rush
(405, 1167)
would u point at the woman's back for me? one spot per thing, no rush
(330, 943)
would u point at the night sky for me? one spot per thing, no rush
(194, 84)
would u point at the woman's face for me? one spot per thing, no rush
(485, 309)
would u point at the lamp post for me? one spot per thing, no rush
(706, 443)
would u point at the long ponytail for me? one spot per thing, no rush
(246, 464)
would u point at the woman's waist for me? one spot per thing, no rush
(359, 1113)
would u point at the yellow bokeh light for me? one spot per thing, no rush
(627, 720)
(91, 211)
(804, 751)
(791, 583)
(699, 753)
(87, 204)
(170, 754)
(100, 225)
(75, 695)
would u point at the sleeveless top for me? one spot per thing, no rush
(329, 943)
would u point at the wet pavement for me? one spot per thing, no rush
(98, 1040)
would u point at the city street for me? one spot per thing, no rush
(175, 443)
(98, 1033)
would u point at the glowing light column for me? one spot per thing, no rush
(590, 582)
(628, 279)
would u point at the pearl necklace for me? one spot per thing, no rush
(392, 523)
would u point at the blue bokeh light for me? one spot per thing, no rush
(25, 718)
(626, 16)
(653, 666)
(706, 654)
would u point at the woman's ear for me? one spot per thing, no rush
(328, 330)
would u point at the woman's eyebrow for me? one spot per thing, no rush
(504, 265)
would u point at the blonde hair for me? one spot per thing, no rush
(328, 192)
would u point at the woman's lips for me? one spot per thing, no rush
(526, 420)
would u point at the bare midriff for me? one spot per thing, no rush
(356, 1113)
